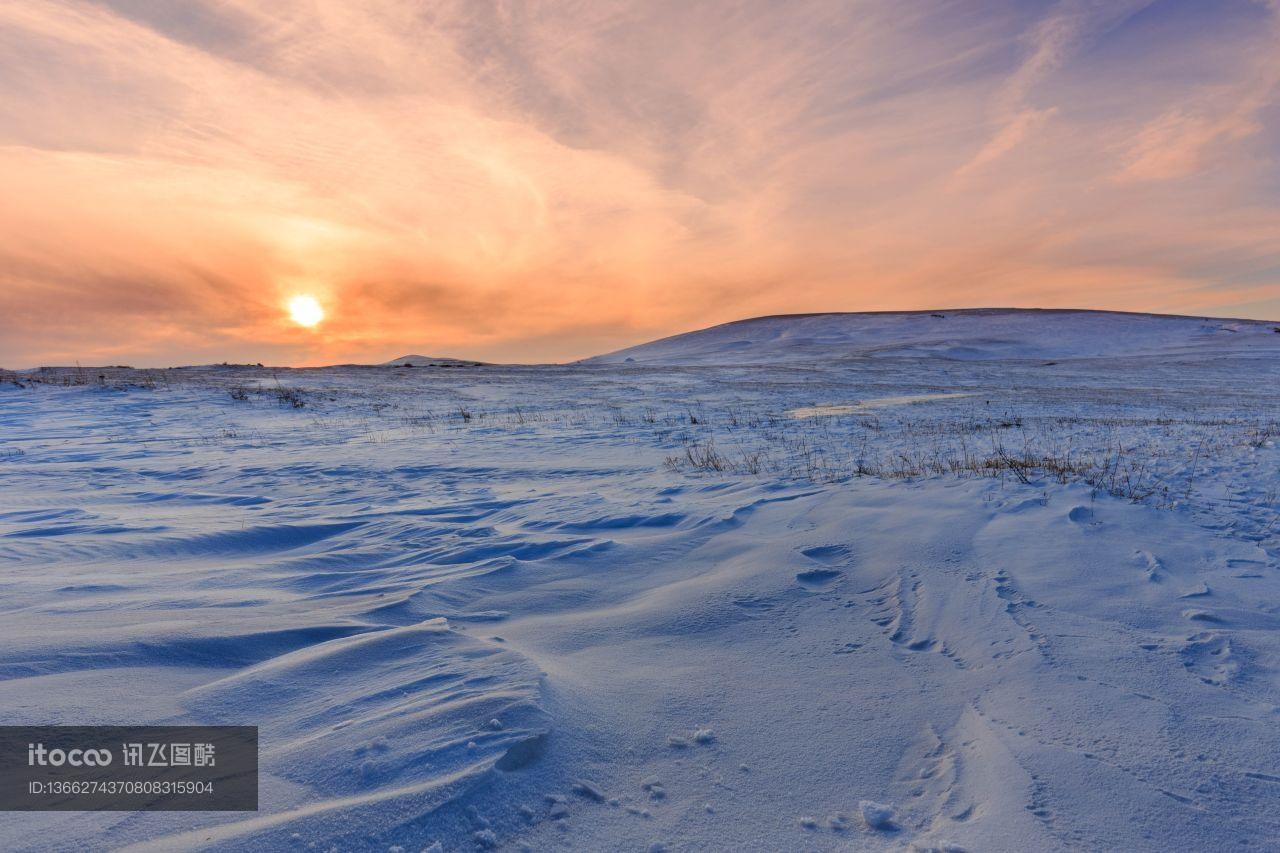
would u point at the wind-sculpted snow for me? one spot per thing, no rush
(523, 608)
(380, 722)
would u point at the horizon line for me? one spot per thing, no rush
(475, 362)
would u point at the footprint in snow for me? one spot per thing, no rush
(1082, 515)
(817, 577)
(558, 806)
(878, 816)
(1150, 563)
(590, 790)
(701, 736)
(1201, 616)
(1197, 592)
(828, 554)
(653, 785)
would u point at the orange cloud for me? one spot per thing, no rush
(543, 181)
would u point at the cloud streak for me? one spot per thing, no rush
(542, 180)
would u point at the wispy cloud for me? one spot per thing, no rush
(1198, 131)
(1015, 130)
(1049, 46)
(541, 179)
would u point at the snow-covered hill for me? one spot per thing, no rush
(968, 335)
(429, 361)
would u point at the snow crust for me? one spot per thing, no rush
(497, 607)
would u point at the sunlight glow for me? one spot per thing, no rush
(305, 311)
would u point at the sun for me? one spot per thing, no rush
(305, 311)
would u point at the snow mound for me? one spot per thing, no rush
(430, 361)
(966, 335)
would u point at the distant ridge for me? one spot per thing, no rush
(969, 334)
(430, 361)
(991, 311)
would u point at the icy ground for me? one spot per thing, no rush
(883, 602)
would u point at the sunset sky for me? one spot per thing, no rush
(532, 181)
